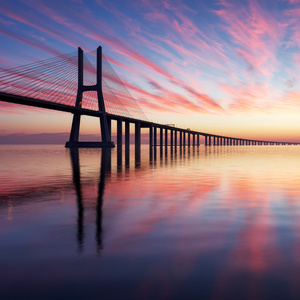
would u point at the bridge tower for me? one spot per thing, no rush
(105, 134)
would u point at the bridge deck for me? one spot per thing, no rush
(143, 124)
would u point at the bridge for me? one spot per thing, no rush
(72, 84)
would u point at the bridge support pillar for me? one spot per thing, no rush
(127, 142)
(74, 134)
(161, 142)
(151, 136)
(109, 127)
(119, 143)
(166, 137)
(127, 135)
(119, 134)
(151, 142)
(155, 136)
(137, 136)
(180, 138)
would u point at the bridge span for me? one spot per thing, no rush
(159, 134)
(24, 86)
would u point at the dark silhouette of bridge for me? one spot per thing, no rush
(71, 83)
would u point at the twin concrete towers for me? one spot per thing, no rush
(105, 134)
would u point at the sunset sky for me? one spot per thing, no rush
(220, 66)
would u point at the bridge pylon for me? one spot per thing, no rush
(105, 133)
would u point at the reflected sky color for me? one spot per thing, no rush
(226, 67)
(204, 223)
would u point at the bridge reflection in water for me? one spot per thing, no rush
(193, 221)
(151, 159)
(168, 157)
(104, 168)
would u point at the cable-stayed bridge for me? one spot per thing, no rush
(73, 84)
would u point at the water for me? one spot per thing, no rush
(205, 223)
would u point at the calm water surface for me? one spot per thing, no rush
(205, 223)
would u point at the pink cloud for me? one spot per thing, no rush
(258, 97)
(248, 97)
(29, 42)
(36, 23)
(291, 100)
(121, 65)
(7, 61)
(203, 99)
(119, 45)
(202, 46)
(183, 31)
(297, 59)
(186, 52)
(10, 108)
(293, 16)
(256, 33)
(166, 101)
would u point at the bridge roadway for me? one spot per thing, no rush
(168, 134)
